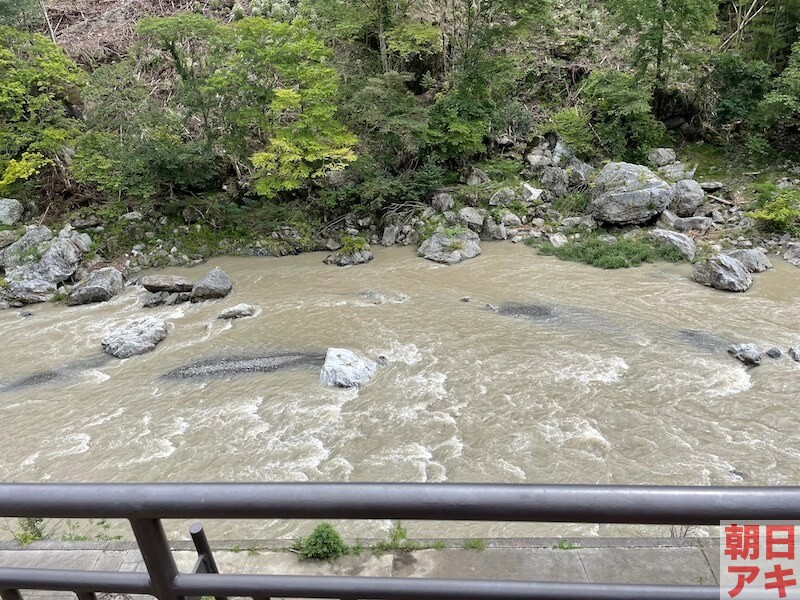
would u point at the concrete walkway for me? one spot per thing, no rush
(601, 560)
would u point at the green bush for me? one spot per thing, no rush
(741, 85)
(626, 252)
(780, 212)
(571, 204)
(572, 124)
(351, 245)
(324, 543)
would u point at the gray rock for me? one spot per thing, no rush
(530, 194)
(472, 218)
(679, 240)
(132, 216)
(494, 231)
(10, 211)
(549, 153)
(555, 180)
(30, 291)
(794, 353)
(711, 186)
(224, 367)
(20, 251)
(59, 262)
(502, 197)
(237, 312)
(178, 298)
(723, 273)
(774, 352)
(677, 171)
(137, 337)
(748, 354)
(443, 201)
(717, 217)
(792, 255)
(450, 250)
(659, 157)
(666, 220)
(82, 241)
(755, 261)
(332, 245)
(687, 197)
(389, 237)
(558, 240)
(345, 368)
(571, 222)
(167, 283)
(8, 237)
(99, 286)
(477, 177)
(349, 259)
(156, 299)
(214, 284)
(628, 194)
(509, 219)
(701, 224)
(578, 173)
(607, 239)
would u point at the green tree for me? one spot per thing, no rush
(664, 28)
(38, 82)
(20, 13)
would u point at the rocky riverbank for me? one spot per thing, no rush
(558, 201)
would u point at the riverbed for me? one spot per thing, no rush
(612, 377)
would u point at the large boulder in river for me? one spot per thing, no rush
(10, 211)
(628, 194)
(687, 197)
(214, 284)
(23, 250)
(99, 286)
(450, 249)
(30, 291)
(238, 312)
(59, 262)
(137, 337)
(345, 368)
(755, 261)
(167, 283)
(348, 258)
(749, 354)
(682, 242)
(722, 272)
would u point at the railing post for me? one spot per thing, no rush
(10, 595)
(157, 557)
(205, 558)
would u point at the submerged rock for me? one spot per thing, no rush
(349, 258)
(137, 337)
(258, 364)
(345, 368)
(167, 283)
(703, 339)
(526, 311)
(214, 284)
(450, 249)
(794, 353)
(99, 286)
(625, 193)
(774, 352)
(31, 380)
(237, 312)
(748, 354)
(722, 272)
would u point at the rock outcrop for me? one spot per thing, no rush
(628, 194)
(755, 261)
(214, 284)
(345, 368)
(99, 286)
(688, 196)
(722, 272)
(450, 249)
(10, 211)
(348, 258)
(137, 337)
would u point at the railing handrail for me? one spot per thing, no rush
(673, 505)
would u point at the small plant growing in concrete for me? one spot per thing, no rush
(476, 544)
(565, 545)
(324, 543)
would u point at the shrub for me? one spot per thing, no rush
(572, 124)
(398, 540)
(351, 245)
(623, 253)
(780, 212)
(324, 543)
(572, 204)
(741, 85)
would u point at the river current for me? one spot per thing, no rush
(613, 377)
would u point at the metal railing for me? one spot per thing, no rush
(144, 505)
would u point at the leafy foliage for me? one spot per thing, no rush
(741, 85)
(621, 114)
(778, 210)
(572, 124)
(37, 84)
(324, 543)
(626, 252)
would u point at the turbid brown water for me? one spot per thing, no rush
(580, 375)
